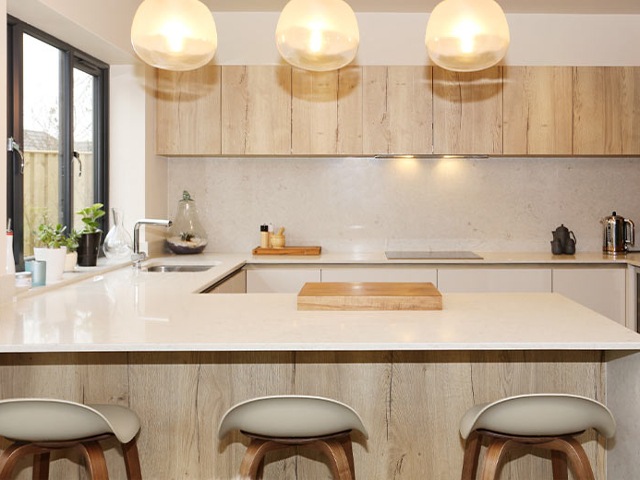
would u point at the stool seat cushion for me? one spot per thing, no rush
(539, 415)
(53, 420)
(291, 416)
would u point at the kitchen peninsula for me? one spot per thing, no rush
(180, 359)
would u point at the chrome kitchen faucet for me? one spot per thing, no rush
(137, 256)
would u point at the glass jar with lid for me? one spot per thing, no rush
(186, 235)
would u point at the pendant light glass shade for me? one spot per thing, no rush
(317, 35)
(174, 34)
(467, 35)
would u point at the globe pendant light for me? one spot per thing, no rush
(317, 35)
(174, 34)
(467, 35)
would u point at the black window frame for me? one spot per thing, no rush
(71, 58)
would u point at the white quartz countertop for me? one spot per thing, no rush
(126, 310)
(487, 258)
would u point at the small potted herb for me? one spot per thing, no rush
(90, 235)
(72, 241)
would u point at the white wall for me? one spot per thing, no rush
(398, 39)
(365, 204)
(137, 177)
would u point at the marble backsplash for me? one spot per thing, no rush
(368, 204)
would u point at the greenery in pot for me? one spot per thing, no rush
(90, 216)
(90, 235)
(72, 241)
(51, 236)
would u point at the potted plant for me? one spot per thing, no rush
(52, 249)
(90, 235)
(72, 241)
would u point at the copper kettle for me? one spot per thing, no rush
(618, 234)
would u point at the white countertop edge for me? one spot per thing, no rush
(321, 347)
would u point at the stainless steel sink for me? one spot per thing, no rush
(177, 268)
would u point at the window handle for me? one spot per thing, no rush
(76, 155)
(13, 146)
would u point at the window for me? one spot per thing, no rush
(58, 104)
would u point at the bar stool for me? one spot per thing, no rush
(38, 426)
(547, 421)
(284, 421)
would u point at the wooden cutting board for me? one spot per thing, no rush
(287, 251)
(369, 296)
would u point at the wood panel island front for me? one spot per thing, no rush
(180, 359)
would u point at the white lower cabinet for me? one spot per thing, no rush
(235, 283)
(600, 289)
(461, 280)
(280, 280)
(380, 274)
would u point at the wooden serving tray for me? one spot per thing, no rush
(287, 251)
(369, 296)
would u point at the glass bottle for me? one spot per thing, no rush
(117, 243)
(186, 234)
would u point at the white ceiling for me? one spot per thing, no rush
(405, 6)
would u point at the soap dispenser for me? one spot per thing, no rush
(186, 235)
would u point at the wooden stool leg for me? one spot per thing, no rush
(348, 450)
(338, 460)
(575, 455)
(132, 460)
(471, 457)
(253, 460)
(496, 451)
(41, 466)
(94, 458)
(559, 465)
(12, 454)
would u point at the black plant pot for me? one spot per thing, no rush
(88, 248)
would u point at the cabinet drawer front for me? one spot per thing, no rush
(280, 280)
(365, 274)
(600, 289)
(494, 280)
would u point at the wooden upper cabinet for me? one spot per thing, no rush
(256, 110)
(467, 112)
(277, 110)
(606, 110)
(350, 111)
(188, 112)
(314, 112)
(397, 103)
(537, 110)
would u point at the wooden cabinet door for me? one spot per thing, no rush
(467, 111)
(600, 289)
(397, 104)
(314, 112)
(188, 112)
(606, 111)
(457, 280)
(537, 110)
(256, 110)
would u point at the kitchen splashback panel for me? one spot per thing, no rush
(367, 204)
